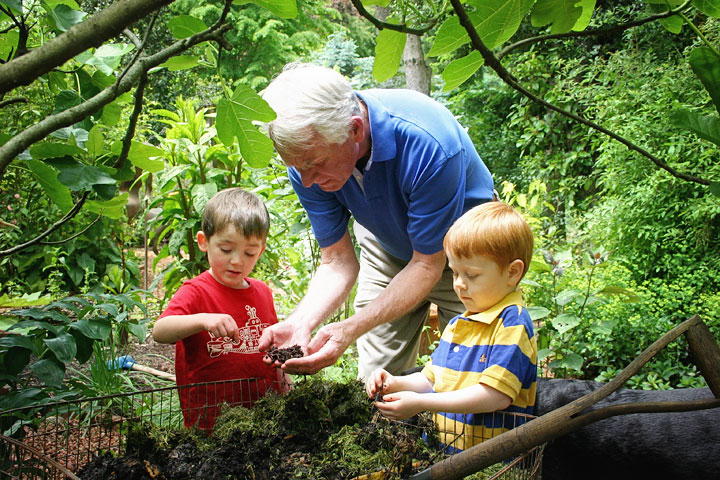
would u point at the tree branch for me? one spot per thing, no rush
(69, 215)
(132, 124)
(492, 61)
(10, 101)
(40, 130)
(594, 32)
(59, 242)
(380, 25)
(92, 32)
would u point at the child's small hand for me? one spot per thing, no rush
(400, 405)
(222, 325)
(376, 382)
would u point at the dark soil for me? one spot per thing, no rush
(320, 430)
(282, 355)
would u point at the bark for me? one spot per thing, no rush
(417, 71)
(92, 32)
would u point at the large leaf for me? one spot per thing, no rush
(705, 127)
(106, 58)
(78, 176)
(184, 26)
(449, 36)
(51, 372)
(201, 194)
(114, 208)
(95, 142)
(15, 360)
(47, 178)
(281, 8)
(65, 17)
(672, 24)
(562, 14)
(146, 156)
(97, 329)
(706, 65)
(43, 150)
(588, 7)
(711, 8)
(461, 69)
(498, 20)
(63, 346)
(388, 52)
(180, 62)
(565, 322)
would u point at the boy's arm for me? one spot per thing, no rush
(172, 328)
(474, 399)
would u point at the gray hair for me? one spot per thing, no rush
(309, 100)
(237, 207)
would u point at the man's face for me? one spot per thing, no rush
(328, 165)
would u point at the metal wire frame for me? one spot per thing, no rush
(55, 440)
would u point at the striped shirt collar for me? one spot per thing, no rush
(512, 298)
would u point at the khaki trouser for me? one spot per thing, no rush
(394, 345)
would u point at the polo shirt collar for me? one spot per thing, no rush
(381, 128)
(512, 298)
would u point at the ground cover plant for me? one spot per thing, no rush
(321, 429)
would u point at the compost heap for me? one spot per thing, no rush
(320, 430)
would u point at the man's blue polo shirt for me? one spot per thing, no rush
(423, 173)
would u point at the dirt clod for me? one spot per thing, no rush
(282, 355)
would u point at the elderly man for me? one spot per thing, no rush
(401, 165)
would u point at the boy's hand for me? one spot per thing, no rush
(221, 325)
(400, 405)
(377, 382)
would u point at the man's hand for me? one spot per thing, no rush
(401, 405)
(283, 335)
(323, 350)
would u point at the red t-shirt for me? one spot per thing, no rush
(202, 358)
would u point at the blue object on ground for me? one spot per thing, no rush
(125, 361)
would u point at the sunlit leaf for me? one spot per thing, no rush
(65, 17)
(147, 157)
(96, 142)
(498, 20)
(114, 208)
(562, 14)
(458, 71)
(47, 177)
(180, 62)
(184, 26)
(564, 322)
(388, 52)
(711, 8)
(450, 36)
(536, 313)
(107, 58)
(281, 8)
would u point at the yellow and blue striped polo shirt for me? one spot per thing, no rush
(497, 348)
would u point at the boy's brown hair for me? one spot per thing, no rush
(494, 230)
(240, 208)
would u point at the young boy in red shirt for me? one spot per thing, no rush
(217, 318)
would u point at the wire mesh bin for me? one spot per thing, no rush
(458, 432)
(54, 441)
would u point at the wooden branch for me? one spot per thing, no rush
(380, 25)
(132, 124)
(492, 61)
(11, 101)
(40, 130)
(92, 32)
(60, 242)
(69, 215)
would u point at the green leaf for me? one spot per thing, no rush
(573, 361)
(111, 114)
(536, 313)
(588, 7)
(281, 8)
(706, 66)
(705, 127)
(564, 322)
(184, 26)
(630, 296)
(96, 329)
(51, 372)
(65, 17)
(140, 155)
(95, 142)
(567, 296)
(711, 8)
(47, 178)
(458, 71)
(108, 57)
(672, 24)
(15, 360)
(43, 150)
(114, 208)
(715, 188)
(17, 341)
(498, 20)
(562, 14)
(180, 62)
(63, 346)
(78, 176)
(603, 327)
(450, 36)
(27, 300)
(201, 194)
(388, 52)
(14, 4)
(246, 104)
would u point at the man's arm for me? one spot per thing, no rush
(409, 287)
(328, 289)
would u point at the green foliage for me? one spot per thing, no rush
(47, 339)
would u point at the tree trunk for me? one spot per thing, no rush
(417, 71)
